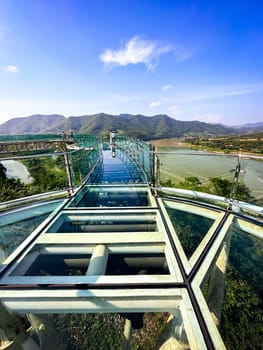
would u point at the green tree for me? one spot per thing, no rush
(220, 186)
(191, 182)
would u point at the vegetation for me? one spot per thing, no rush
(14, 234)
(11, 188)
(105, 331)
(48, 174)
(216, 185)
(190, 228)
(242, 315)
(241, 323)
(90, 331)
(138, 126)
(235, 143)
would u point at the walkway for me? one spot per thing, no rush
(113, 248)
(116, 170)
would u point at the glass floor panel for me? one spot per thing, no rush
(112, 196)
(12, 235)
(106, 222)
(56, 265)
(190, 228)
(137, 264)
(116, 171)
(234, 290)
(111, 331)
(16, 225)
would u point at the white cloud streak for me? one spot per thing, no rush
(167, 87)
(136, 51)
(212, 118)
(176, 110)
(155, 104)
(224, 91)
(12, 69)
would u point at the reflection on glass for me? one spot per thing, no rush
(106, 222)
(177, 167)
(190, 228)
(41, 263)
(49, 173)
(235, 289)
(12, 235)
(136, 155)
(212, 173)
(57, 265)
(252, 177)
(137, 264)
(117, 196)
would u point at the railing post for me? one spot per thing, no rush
(68, 170)
(155, 166)
(232, 195)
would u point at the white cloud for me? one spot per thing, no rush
(182, 55)
(155, 104)
(215, 92)
(12, 69)
(176, 110)
(167, 87)
(135, 51)
(213, 118)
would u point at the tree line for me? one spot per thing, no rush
(252, 143)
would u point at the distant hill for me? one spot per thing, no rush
(140, 126)
(251, 127)
(34, 124)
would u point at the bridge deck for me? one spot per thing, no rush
(112, 247)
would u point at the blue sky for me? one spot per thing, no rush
(191, 60)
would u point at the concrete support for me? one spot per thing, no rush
(173, 336)
(43, 326)
(30, 344)
(12, 332)
(127, 334)
(98, 262)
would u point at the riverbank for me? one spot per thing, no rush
(172, 142)
(179, 143)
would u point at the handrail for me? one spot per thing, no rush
(236, 205)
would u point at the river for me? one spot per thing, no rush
(183, 162)
(17, 170)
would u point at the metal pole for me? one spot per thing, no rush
(232, 195)
(68, 170)
(155, 167)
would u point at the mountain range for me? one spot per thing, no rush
(140, 126)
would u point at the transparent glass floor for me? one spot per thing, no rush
(119, 266)
(115, 170)
(112, 196)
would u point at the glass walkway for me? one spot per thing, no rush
(123, 263)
